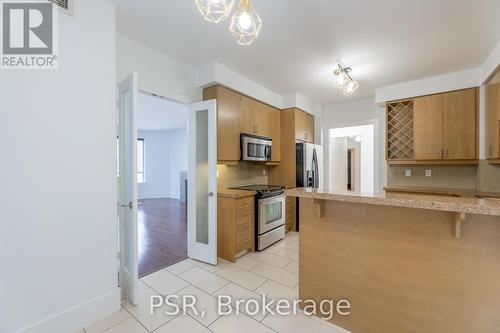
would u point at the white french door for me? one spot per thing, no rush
(129, 266)
(202, 182)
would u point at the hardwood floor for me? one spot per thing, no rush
(162, 234)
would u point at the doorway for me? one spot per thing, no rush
(138, 239)
(352, 158)
(162, 178)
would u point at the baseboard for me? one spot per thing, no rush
(78, 317)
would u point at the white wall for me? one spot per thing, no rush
(58, 198)
(338, 163)
(165, 158)
(215, 73)
(491, 63)
(355, 113)
(431, 85)
(157, 72)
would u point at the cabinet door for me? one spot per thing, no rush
(309, 128)
(275, 132)
(247, 115)
(459, 125)
(428, 127)
(228, 121)
(493, 118)
(262, 119)
(300, 125)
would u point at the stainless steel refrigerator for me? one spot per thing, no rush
(309, 168)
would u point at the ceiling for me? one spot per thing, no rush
(160, 114)
(384, 41)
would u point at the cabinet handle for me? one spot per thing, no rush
(442, 153)
(490, 151)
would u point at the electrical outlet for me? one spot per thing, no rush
(264, 172)
(428, 173)
(408, 172)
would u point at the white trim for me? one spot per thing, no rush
(79, 316)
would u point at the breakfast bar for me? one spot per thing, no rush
(405, 262)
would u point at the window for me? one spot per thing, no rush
(141, 174)
(141, 178)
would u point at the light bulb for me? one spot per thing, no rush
(341, 80)
(357, 138)
(350, 88)
(245, 21)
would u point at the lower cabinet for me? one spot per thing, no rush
(235, 226)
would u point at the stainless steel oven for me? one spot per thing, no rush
(271, 213)
(270, 216)
(255, 148)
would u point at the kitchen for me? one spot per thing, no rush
(431, 227)
(338, 152)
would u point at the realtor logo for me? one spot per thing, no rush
(28, 35)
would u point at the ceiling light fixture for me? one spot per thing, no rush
(344, 81)
(245, 23)
(215, 10)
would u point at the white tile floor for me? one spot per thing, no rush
(273, 272)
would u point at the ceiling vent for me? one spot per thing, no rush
(65, 5)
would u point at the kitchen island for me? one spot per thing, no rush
(406, 263)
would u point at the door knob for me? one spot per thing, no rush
(130, 205)
(210, 194)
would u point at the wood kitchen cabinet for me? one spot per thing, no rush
(428, 127)
(228, 122)
(254, 117)
(436, 129)
(273, 118)
(460, 125)
(304, 126)
(238, 114)
(235, 225)
(493, 118)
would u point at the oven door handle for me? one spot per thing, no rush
(273, 199)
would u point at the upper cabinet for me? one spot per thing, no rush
(238, 114)
(254, 117)
(304, 126)
(441, 128)
(493, 118)
(274, 123)
(228, 122)
(428, 127)
(460, 124)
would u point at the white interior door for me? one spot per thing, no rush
(202, 182)
(129, 267)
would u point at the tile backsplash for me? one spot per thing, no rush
(482, 177)
(245, 173)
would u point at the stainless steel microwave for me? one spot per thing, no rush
(255, 148)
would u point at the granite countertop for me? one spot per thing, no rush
(234, 194)
(461, 192)
(470, 205)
